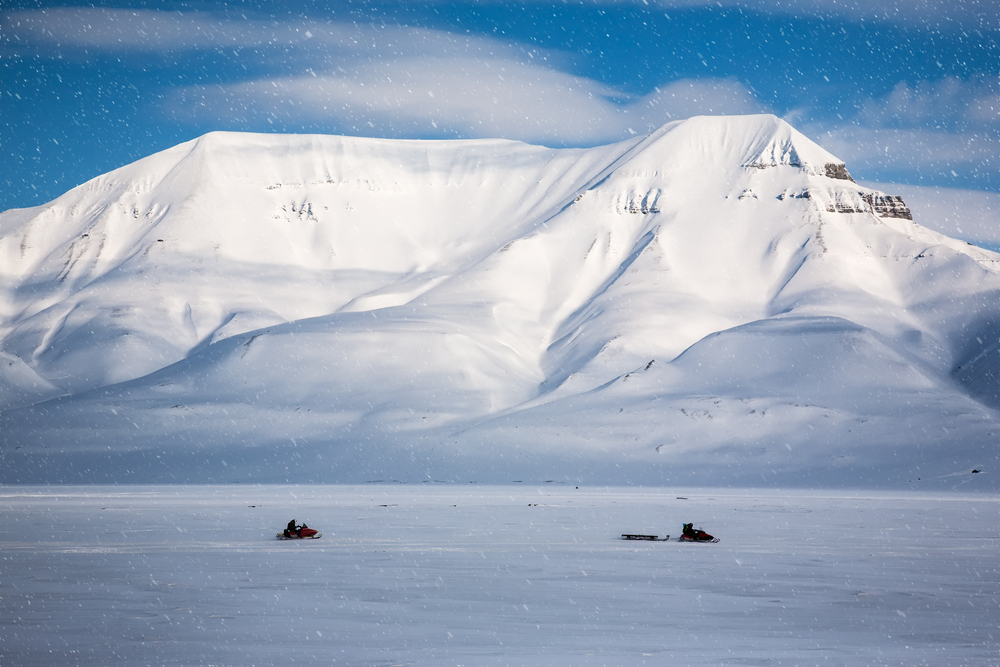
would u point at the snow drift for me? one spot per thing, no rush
(717, 302)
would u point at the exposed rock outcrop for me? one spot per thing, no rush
(851, 201)
(838, 171)
(636, 203)
(888, 206)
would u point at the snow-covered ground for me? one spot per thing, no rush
(717, 303)
(495, 575)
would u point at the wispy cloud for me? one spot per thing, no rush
(947, 103)
(72, 31)
(392, 81)
(943, 131)
(940, 14)
(966, 160)
(117, 30)
(460, 97)
(370, 78)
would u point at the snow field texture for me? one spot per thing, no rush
(495, 575)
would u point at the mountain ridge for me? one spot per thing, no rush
(402, 306)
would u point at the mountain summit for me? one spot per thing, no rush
(715, 303)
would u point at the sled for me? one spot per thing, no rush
(650, 538)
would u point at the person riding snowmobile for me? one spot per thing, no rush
(699, 535)
(293, 531)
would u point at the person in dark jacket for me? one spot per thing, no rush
(699, 535)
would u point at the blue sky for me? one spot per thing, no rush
(905, 92)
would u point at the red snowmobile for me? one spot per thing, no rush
(303, 532)
(690, 534)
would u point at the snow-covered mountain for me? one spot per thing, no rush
(717, 302)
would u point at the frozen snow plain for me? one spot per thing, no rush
(495, 575)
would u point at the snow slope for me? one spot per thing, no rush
(717, 302)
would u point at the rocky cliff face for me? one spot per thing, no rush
(852, 201)
(838, 171)
(888, 206)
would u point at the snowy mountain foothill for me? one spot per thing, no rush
(717, 303)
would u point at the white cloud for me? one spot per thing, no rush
(397, 81)
(392, 81)
(120, 30)
(914, 155)
(935, 14)
(947, 102)
(129, 32)
(152, 30)
(380, 80)
(942, 131)
(461, 97)
(913, 147)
